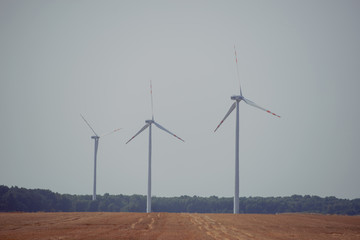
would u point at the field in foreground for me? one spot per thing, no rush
(176, 226)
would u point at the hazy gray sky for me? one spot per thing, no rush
(300, 59)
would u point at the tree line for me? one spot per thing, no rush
(35, 200)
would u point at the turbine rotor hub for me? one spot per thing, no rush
(237, 98)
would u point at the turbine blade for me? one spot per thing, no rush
(237, 70)
(110, 132)
(88, 125)
(162, 128)
(147, 125)
(233, 106)
(257, 106)
(152, 105)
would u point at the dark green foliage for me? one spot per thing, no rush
(34, 200)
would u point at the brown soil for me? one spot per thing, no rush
(176, 226)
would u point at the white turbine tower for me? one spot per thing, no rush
(96, 138)
(148, 124)
(237, 99)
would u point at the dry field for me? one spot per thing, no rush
(176, 226)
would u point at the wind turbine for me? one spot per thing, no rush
(148, 125)
(96, 138)
(238, 99)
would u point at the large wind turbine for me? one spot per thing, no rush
(148, 125)
(237, 99)
(96, 138)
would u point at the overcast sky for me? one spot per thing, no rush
(300, 59)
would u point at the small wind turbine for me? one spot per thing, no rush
(96, 138)
(237, 99)
(148, 124)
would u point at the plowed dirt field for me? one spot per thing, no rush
(176, 226)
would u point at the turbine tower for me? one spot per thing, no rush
(148, 125)
(96, 138)
(238, 99)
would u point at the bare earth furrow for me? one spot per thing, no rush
(179, 226)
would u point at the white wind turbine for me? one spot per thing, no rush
(148, 124)
(237, 99)
(96, 138)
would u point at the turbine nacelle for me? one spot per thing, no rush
(95, 137)
(237, 98)
(149, 121)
